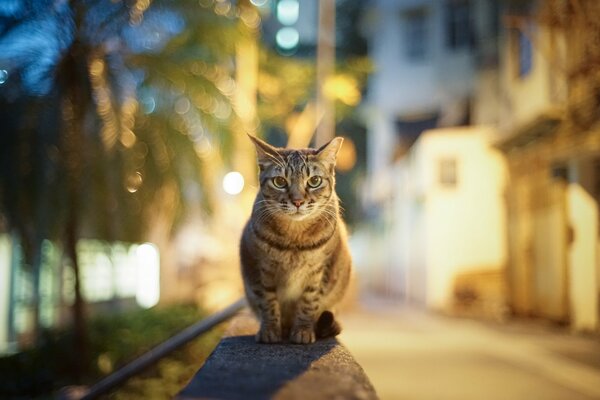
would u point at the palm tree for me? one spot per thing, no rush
(106, 105)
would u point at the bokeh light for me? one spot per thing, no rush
(233, 183)
(148, 275)
(182, 106)
(134, 182)
(287, 38)
(347, 156)
(3, 76)
(288, 11)
(259, 3)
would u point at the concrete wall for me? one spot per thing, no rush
(445, 231)
(583, 255)
(538, 237)
(465, 226)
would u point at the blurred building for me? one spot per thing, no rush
(523, 81)
(549, 133)
(425, 175)
(449, 218)
(114, 276)
(424, 78)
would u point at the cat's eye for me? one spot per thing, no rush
(279, 182)
(314, 181)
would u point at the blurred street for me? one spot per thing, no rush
(412, 354)
(468, 178)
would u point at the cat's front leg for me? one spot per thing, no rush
(270, 321)
(270, 311)
(303, 329)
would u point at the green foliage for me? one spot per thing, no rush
(284, 84)
(113, 341)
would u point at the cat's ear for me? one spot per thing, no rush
(328, 152)
(265, 153)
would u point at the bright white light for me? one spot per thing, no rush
(3, 76)
(259, 3)
(233, 183)
(288, 11)
(148, 275)
(287, 38)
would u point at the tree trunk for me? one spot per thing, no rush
(75, 84)
(79, 319)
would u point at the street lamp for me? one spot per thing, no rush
(287, 37)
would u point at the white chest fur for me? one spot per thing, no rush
(294, 279)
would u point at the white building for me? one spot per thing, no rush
(437, 189)
(424, 55)
(449, 217)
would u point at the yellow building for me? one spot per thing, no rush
(551, 137)
(449, 219)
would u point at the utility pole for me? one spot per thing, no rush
(325, 113)
(246, 77)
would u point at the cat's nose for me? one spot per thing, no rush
(298, 203)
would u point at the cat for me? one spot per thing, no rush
(294, 255)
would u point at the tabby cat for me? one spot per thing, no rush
(294, 253)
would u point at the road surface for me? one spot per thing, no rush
(410, 354)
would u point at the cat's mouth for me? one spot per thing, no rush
(297, 213)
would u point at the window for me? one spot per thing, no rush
(416, 34)
(458, 24)
(447, 172)
(522, 52)
(525, 53)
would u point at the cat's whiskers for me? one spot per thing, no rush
(325, 218)
(276, 160)
(331, 217)
(265, 211)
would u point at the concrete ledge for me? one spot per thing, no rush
(239, 368)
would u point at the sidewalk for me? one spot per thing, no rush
(411, 354)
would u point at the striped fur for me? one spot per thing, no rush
(294, 254)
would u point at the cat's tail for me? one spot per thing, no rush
(327, 326)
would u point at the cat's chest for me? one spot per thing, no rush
(293, 277)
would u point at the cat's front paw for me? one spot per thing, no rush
(303, 335)
(269, 334)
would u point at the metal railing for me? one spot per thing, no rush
(136, 366)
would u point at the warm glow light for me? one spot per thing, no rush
(344, 88)
(203, 147)
(148, 275)
(287, 38)
(347, 156)
(251, 18)
(233, 183)
(137, 11)
(127, 138)
(133, 182)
